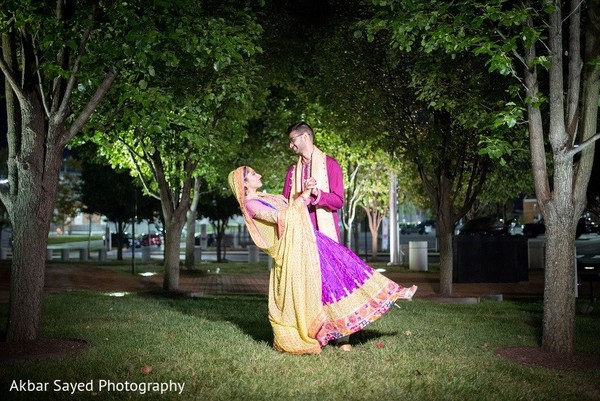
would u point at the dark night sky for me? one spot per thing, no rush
(310, 11)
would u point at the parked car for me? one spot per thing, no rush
(150, 239)
(514, 227)
(211, 240)
(411, 229)
(484, 226)
(426, 226)
(532, 230)
(117, 239)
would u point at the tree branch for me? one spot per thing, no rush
(575, 70)
(138, 169)
(578, 148)
(91, 105)
(40, 83)
(10, 78)
(64, 104)
(556, 78)
(62, 60)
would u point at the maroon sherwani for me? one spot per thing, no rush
(332, 200)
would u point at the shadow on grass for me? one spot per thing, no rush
(367, 335)
(533, 317)
(248, 313)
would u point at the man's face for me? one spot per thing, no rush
(297, 141)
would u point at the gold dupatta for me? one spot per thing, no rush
(318, 170)
(295, 307)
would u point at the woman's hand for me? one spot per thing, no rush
(304, 197)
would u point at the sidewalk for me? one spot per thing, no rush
(65, 277)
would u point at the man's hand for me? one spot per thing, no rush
(311, 184)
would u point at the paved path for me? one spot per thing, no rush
(72, 276)
(86, 276)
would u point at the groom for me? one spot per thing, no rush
(321, 174)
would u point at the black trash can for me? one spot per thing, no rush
(490, 259)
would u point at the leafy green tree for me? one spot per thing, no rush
(68, 200)
(51, 89)
(190, 224)
(186, 113)
(365, 169)
(504, 183)
(116, 196)
(374, 194)
(352, 157)
(219, 209)
(417, 108)
(59, 60)
(551, 50)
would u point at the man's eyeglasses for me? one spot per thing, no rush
(293, 138)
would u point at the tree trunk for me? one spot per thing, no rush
(348, 234)
(30, 238)
(27, 283)
(374, 218)
(355, 236)
(219, 228)
(120, 238)
(445, 233)
(374, 243)
(559, 290)
(190, 239)
(446, 219)
(173, 230)
(31, 214)
(175, 205)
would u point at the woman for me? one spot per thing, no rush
(319, 290)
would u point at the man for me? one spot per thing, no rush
(319, 172)
(323, 175)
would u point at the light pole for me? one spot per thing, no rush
(134, 218)
(394, 242)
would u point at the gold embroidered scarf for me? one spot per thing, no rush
(318, 170)
(295, 308)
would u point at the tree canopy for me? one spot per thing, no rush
(182, 112)
(550, 50)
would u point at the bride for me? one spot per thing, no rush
(319, 290)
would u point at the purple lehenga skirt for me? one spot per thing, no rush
(353, 294)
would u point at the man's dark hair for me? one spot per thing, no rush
(301, 127)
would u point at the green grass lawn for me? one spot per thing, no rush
(219, 348)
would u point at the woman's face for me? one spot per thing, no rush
(253, 179)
